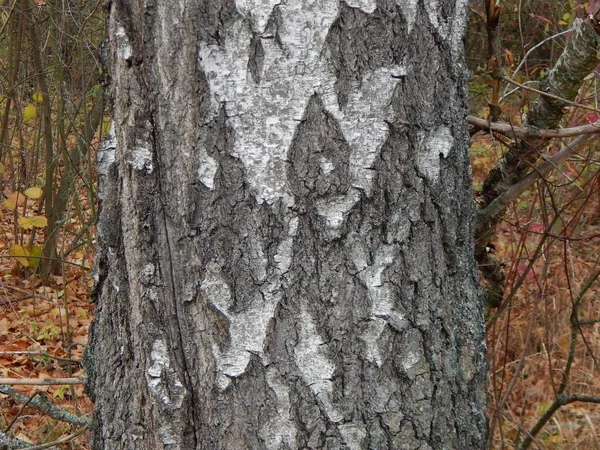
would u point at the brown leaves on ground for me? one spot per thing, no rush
(43, 333)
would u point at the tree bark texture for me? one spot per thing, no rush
(285, 257)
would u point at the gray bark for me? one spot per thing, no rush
(285, 257)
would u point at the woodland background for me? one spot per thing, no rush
(543, 334)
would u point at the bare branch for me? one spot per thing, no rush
(41, 403)
(40, 381)
(549, 95)
(60, 441)
(523, 132)
(499, 204)
(42, 354)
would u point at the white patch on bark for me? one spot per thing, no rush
(436, 144)
(161, 373)
(457, 32)
(335, 209)
(313, 362)
(265, 115)
(280, 429)
(105, 157)
(383, 309)
(123, 46)
(409, 361)
(140, 157)
(412, 360)
(367, 6)
(381, 301)
(207, 168)
(165, 386)
(326, 165)
(363, 120)
(435, 18)
(370, 337)
(409, 10)
(247, 328)
(353, 435)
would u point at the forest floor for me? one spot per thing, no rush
(43, 333)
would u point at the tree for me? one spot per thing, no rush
(285, 256)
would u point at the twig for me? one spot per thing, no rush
(539, 44)
(495, 208)
(522, 132)
(547, 94)
(40, 381)
(60, 441)
(42, 354)
(561, 400)
(23, 406)
(589, 321)
(41, 403)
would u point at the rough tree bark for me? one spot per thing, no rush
(285, 257)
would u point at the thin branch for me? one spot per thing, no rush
(523, 132)
(539, 44)
(42, 354)
(64, 440)
(561, 400)
(23, 406)
(43, 404)
(40, 381)
(589, 321)
(497, 206)
(552, 96)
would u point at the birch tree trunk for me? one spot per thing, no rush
(285, 257)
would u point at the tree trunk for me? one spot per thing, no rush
(285, 257)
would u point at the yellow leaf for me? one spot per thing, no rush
(1, 165)
(25, 222)
(20, 253)
(39, 221)
(37, 97)
(35, 251)
(566, 16)
(81, 313)
(105, 125)
(33, 192)
(29, 112)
